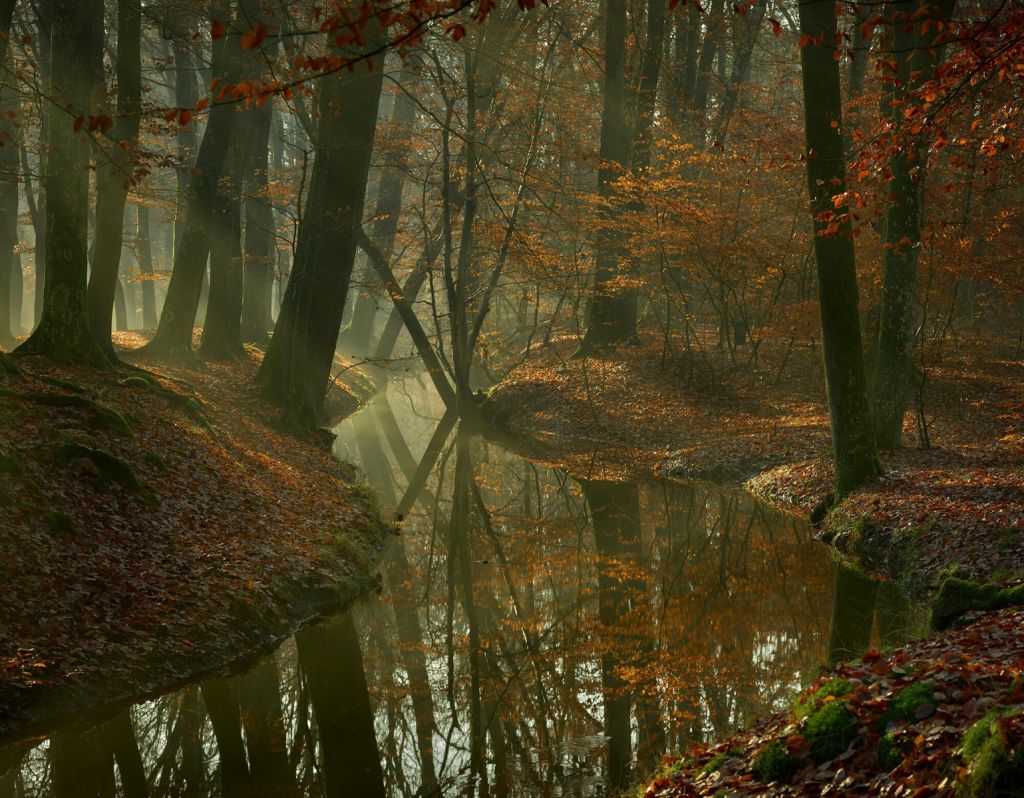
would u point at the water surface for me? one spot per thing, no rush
(536, 633)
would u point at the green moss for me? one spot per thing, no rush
(904, 705)
(110, 467)
(11, 463)
(957, 596)
(835, 688)
(890, 753)
(58, 522)
(774, 763)
(103, 417)
(992, 769)
(156, 460)
(829, 731)
(719, 760)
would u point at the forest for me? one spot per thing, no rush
(612, 398)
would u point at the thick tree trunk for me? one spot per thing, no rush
(114, 165)
(259, 247)
(63, 332)
(145, 250)
(917, 57)
(385, 221)
(705, 68)
(9, 179)
(297, 367)
(222, 331)
(186, 95)
(612, 318)
(174, 332)
(647, 91)
(856, 460)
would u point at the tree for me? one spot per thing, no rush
(295, 372)
(114, 173)
(63, 332)
(612, 318)
(174, 332)
(916, 51)
(856, 460)
(9, 173)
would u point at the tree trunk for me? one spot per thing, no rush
(186, 95)
(222, 331)
(385, 221)
(114, 167)
(297, 367)
(259, 246)
(612, 307)
(9, 179)
(63, 332)
(916, 59)
(174, 332)
(856, 460)
(145, 250)
(647, 91)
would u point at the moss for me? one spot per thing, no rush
(58, 522)
(774, 763)
(156, 460)
(9, 367)
(11, 464)
(992, 769)
(111, 467)
(719, 760)
(890, 753)
(103, 417)
(904, 705)
(829, 731)
(957, 596)
(835, 688)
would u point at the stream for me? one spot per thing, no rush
(536, 633)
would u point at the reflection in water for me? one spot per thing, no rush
(538, 634)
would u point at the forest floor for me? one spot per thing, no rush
(939, 716)
(627, 413)
(155, 525)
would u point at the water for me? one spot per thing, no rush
(537, 633)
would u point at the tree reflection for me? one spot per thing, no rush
(539, 634)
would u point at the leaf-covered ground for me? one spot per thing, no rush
(626, 412)
(153, 526)
(943, 716)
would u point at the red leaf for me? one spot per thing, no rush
(217, 29)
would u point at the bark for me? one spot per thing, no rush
(747, 30)
(647, 91)
(295, 372)
(63, 332)
(916, 58)
(186, 95)
(145, 253)
(385, 220)
(612, 318)
(222, 330)
(9, 179)
(856, 460)
(174, 331)
(259, 247)
(705, 68)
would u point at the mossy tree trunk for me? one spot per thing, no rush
(916, 57)
(9, 179)
(222, 330)
(259, 247)
(612, 317)
(295, 372)
(174, 331)
(114, 167)
(856, 459)
(63, 332)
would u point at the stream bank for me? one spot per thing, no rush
(629, 412)
(157, 525)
